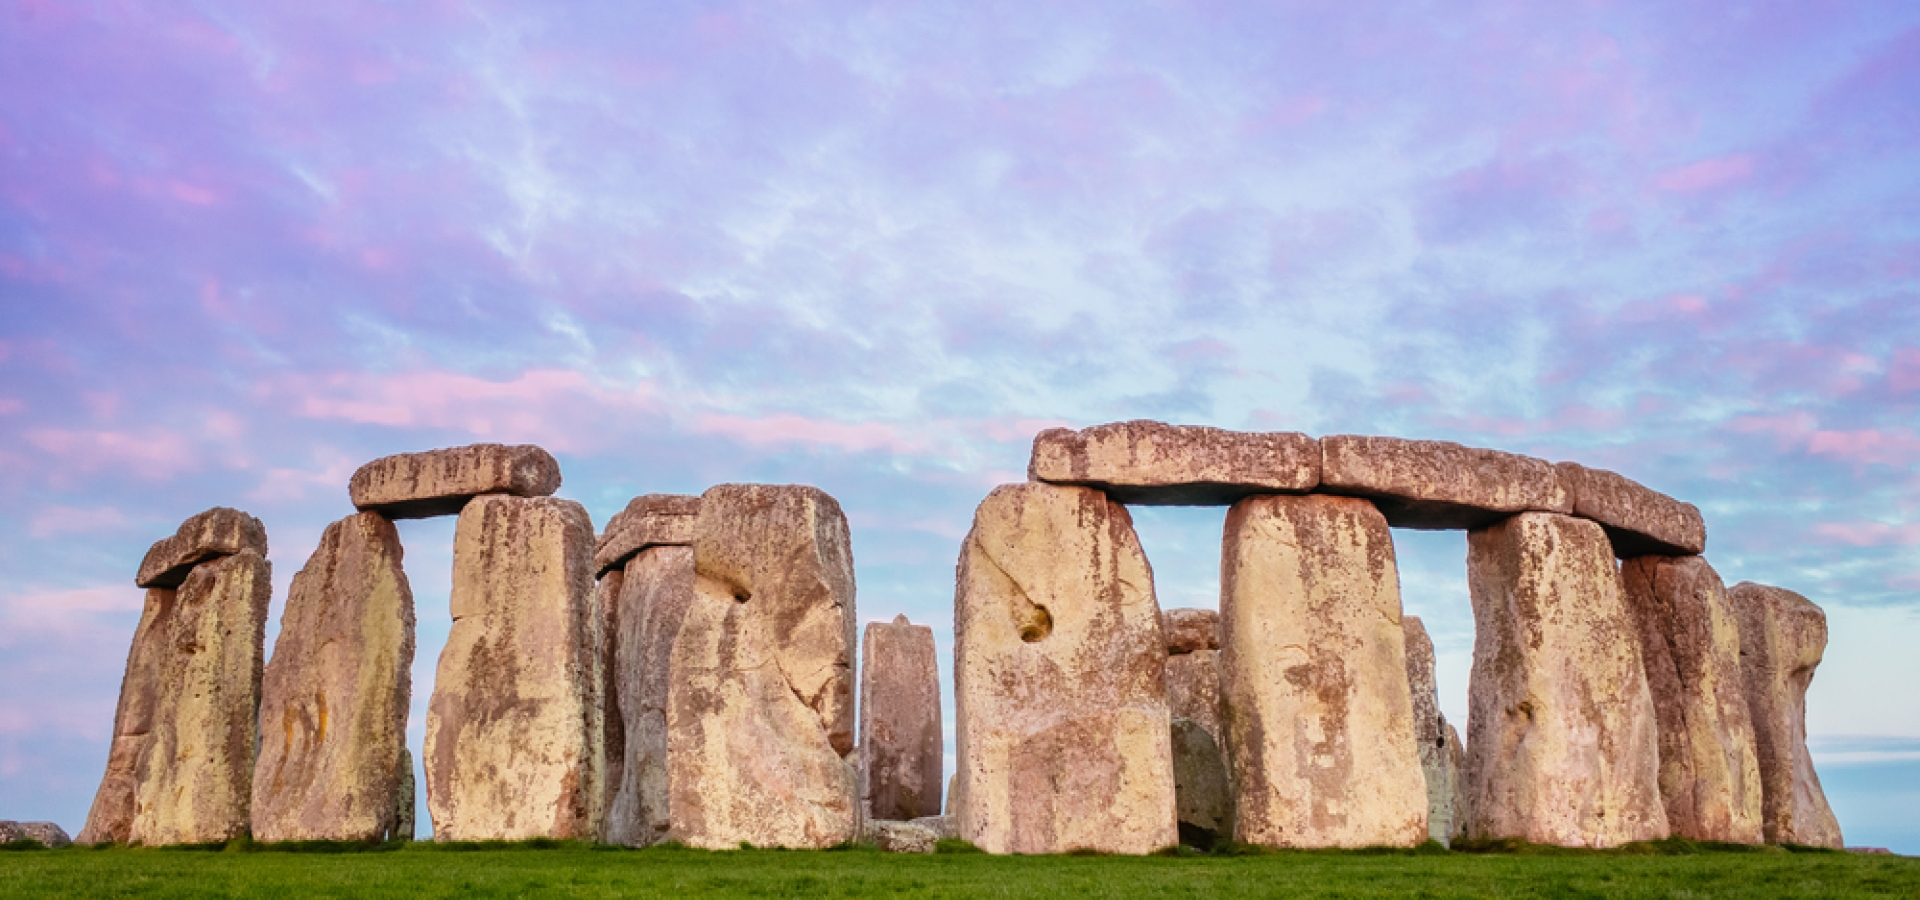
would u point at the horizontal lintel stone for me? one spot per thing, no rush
(1639, 520)
(1155, 464)
(220, 531)
(1436, 485)
(440, 482)
(650, 520)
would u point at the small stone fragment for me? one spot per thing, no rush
(943, 827)
(217, 532)
(1064, 736)
(440, 482)
(51, 836)
(1436, 739)
(650, 597)
(1156, 464)
(1639, 521)
(901, 837)
(1783, 637)
(1438, 485)
(651, 520)
(110, 820)
(901, 745)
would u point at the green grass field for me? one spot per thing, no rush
(428, 870)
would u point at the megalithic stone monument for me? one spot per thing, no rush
(1203, 798)
(1060, 679)
(110, 820)
(901, 746)
(1783, 637)
(1438, 742)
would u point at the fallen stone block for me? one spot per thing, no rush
(110, 820)
(652, 520)
(1783, 637)
(901, 837)
(1156, 464)
(943, 827)
(1436, 739)
(440, 482)
(48, 834)
(902, 749)
(212, 534)
(1639, 520)
(649, 599)
(1437, 485)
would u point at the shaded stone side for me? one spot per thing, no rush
(1562, 741)
(406, 798)
(1783, 637)
(901, 746)
(649, 520)
(1709, 774)
(440, 482)
(1060, 679)
(513, 745)
(1436, 739)
(1639, 521)
(655, 589)
(1438, 484)
(760, 705)
(1319, 721)
(334, 700)
(1156, 464)
(195, 778)
(1202, 797)
(110, 820)
(218, 532)
(1189, 630)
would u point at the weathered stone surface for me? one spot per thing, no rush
(1156, 464)
(760, 708)
(901, 837)
(1202, 791)
(1437, 741)
(405, 798)
(651, 600)
(440, 482)
(1709, 775)
(951, 810)
(48, 834)
(110, 820)
(1203, 800)
(513, 746)
(195, 776)
(1191, 629)
(218, 532)
(1319, 721)
(1639, 521)
(650, 520)
(1060, 679)
(943, 827)
(901, 746)
(334, 701)
(1783, 637)
(1193, 689)
(1437, 484)
(1562, 741)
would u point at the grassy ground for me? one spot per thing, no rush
(429, 870)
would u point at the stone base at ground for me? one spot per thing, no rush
(1783, 637)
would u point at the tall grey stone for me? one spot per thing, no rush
(650, 596)
(1433, 735)
(110, 820)
(901, 745)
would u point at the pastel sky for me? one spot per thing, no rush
(245, 247)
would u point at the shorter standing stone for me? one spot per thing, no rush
(220, 531)
(110, 820)
(440, 482)
(406, 800)
(1639, 521)
(1439, 744)
(1156, 464)
(651, 520)
(1783, 637)
(902, 837)
(901, 746)
(48, 834)
(649, 600)
(1202, 796)
(1437, 484)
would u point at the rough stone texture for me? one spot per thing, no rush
(943, 827)
(1319, 722)
(1191, 629)
(1437, 484)
(655, 590)
(194, 779)
(1782, 639)
(901, 746)
(1639, 521)
(901, 837)
(650, 520)
(1203, 800)
(951, 810)
(1202, 790)
(1439, 744)
(440, 482)
(1060, 679)
(48, 834)
(760, 705)
(513, 746)
(110, 820)
(1562, 741)
(218, 532)
(1709, 774)
(1193, 689)
(333, 705)
(405, 799)
(1156, 464)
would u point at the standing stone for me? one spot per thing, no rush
(440, 482)
(220, 531)
(405, 799)
(1319, 721)
(1203, 799)
(760, 704)
(111, 818)
(650, 598)
(1709, 775)
(48, 834)
(650, 520)
(1060, 679)
(513, 747)
(1782, 639)
(1155, 464)
(194, 779)
(901, 746)
(1438, 743)
(1562, 740)
(333, 707)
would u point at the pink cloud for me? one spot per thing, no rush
(1905, 582)
(1792, 426)
(330, 473)
(1867, 446)
(1707, 174)
(153, 455)
(1906, 371)
(557, 408)
(9, 405)
(58, 520)
(787, 428)
(1869, 534)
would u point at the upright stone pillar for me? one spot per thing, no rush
(334, 702)
(1060, 679)
(1319, 721)
(111, 818)
(513, 748)
(1709, 775)
(1203, 798)
(760, 702)
(194, 782)
(901, 747)
(1562, 741)
(1783, 637)
(1438, 742)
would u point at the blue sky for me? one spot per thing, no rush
(875, 247)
